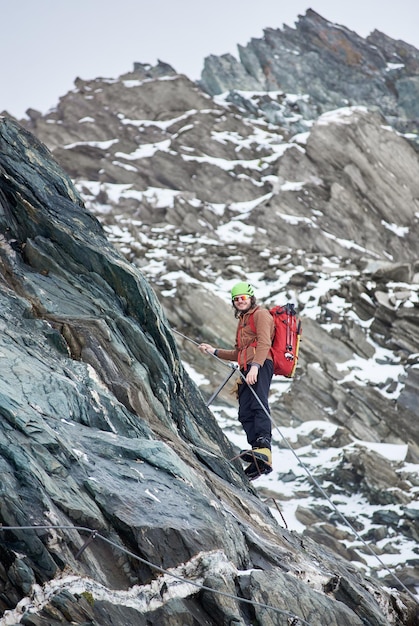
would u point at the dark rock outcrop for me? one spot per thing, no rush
(102, 429)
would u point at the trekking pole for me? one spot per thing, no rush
(223, 384)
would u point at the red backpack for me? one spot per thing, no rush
(286, 342)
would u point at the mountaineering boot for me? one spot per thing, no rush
(262, 454)
(259, 458)
(252, 471)
(257, 468)
(260, 462)
(262, 445)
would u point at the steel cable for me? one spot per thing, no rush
(312, 478)
(94, 534)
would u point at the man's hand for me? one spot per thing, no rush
(252, 375)
(205, 348)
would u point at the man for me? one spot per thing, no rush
(252, 352)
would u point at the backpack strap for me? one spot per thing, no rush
(252, 321)
(253, 327)
(243, 350)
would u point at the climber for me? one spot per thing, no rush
(253, 354)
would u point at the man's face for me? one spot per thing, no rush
(242, 303)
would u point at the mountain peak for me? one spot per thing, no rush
(330, 64)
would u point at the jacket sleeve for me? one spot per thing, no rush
(265, 329)
(227, 355)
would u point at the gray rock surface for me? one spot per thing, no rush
(195, 193)
(102, 429)
(328, 64)
(341, 209)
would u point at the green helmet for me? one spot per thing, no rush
(241, 289)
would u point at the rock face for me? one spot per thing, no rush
(330, 64)
(102, 425)
(102, 429)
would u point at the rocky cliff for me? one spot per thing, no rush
(104, 426)
(328, 64)
(103, 431)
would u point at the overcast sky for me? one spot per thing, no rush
(46, 44)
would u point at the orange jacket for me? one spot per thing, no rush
(251, 347)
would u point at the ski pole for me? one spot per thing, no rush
(223, 384)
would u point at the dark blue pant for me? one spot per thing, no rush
(255, 421)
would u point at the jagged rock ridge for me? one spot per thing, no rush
(329, 64)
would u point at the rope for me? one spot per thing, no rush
(278, 509)
(315, 482)
(94, 534)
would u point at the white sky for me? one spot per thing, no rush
(46, 44)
